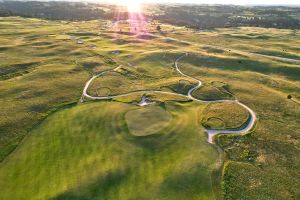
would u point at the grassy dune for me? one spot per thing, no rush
(88, 152)
(41, 70)
(215, 116)
(263, 164)
(114, 83)
(267, 41)
(28, 99)
(37, 76)
(81, 153)
(208, 92)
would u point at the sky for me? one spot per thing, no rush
(236, 2)
(232, 2)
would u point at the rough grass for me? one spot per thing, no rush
(208, 92)
(37, 76)
(181, 87)
(224, 116)
(76, 152)
(127, 80)
(27, 100)
(135, 98)
(270, 41)
(262, 159)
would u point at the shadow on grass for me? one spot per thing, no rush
(14, 70)
(194, 182)
(243, 64)
(99, 189)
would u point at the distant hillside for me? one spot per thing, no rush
(194, 16)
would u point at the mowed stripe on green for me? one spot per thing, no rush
(87, 152)
(147, 120)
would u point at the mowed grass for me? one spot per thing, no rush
(87, 152)
(147, 120)
(224, 116)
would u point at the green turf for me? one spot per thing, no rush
(87, 152)
(147, 121)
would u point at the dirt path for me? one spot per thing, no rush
(211, 132)
(256, 54)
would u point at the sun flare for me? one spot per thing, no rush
(133, 6)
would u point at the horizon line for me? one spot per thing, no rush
(161, 3)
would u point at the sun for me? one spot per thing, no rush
(133, 6)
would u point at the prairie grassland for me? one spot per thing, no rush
(87, 151)
(215, 116)
(37, 76)
(264, 163)
(209, 92)
(42, 68)
(114, 83)
(267, 41)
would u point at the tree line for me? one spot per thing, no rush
(194, 16)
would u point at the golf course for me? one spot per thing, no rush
(136, 109)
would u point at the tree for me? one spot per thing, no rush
(289, 96)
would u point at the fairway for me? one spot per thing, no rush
(82, 153)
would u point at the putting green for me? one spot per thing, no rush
(147, 120)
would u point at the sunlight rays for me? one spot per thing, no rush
(134, 16)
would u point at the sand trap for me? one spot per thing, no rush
(145, 101)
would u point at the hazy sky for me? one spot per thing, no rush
(237, 2)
